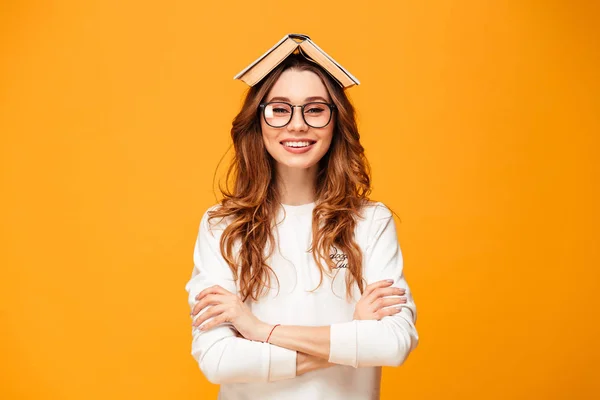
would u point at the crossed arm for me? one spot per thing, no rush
(311, 343)
(230, 329)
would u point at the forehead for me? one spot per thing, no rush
(298, 85)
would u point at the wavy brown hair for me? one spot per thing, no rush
(342, 189)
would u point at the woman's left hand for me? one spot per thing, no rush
(228, 307)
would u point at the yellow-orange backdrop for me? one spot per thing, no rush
(481, 122)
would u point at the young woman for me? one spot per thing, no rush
(298, 291)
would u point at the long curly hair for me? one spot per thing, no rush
(342, 189)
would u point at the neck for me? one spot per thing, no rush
(296, 186)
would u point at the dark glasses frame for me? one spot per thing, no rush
(331, 106)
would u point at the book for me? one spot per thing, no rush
(295, 43)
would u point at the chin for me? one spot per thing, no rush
(297, 164)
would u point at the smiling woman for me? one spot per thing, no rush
(298, 290)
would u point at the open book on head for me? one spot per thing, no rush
(289, 44)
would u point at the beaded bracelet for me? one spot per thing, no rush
(267, 341)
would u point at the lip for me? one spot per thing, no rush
(295, 139)
(298, 150)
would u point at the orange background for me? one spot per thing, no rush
(481, 122)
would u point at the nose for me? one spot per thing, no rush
(297, 123)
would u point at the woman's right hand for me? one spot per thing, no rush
(370, 306)
(377, 296)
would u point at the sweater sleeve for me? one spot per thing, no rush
(222, 356)
(389, 341)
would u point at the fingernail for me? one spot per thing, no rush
(389, 280)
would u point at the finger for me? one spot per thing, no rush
(211, 299)
(222, 318)
(206, 301)
(212, 312)
(388, 291)
(379, 284)
(388, 301)
(384, 312)
(213, 289)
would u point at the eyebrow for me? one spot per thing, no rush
(308, 99)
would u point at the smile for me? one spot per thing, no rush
(298, 146)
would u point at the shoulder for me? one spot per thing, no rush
(211, 221)
(373, 216)
(375, 211)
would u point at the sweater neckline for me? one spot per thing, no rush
(298, 209)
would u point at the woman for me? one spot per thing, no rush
(298, 290)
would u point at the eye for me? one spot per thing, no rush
(314, 109)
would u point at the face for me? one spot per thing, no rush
(297, 145)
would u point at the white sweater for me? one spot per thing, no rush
(252, 370)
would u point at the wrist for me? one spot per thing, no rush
(262, 332)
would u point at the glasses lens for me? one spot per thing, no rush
(317, 114)
(278, 114)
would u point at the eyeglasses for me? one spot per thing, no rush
(278, 114)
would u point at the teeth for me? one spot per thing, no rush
(296, 144)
